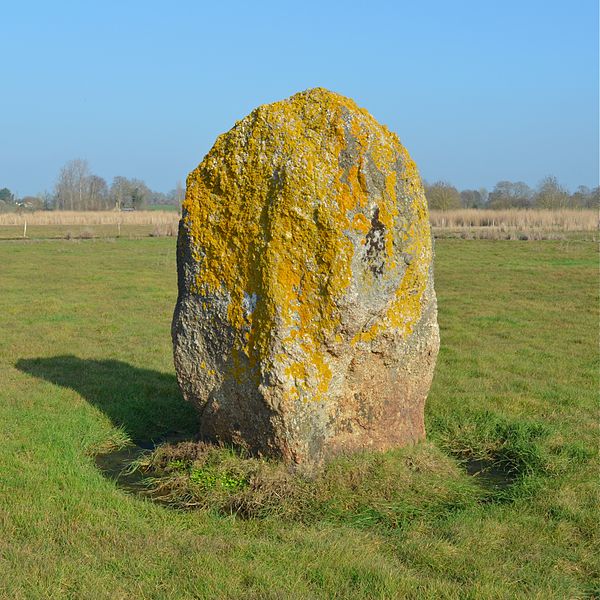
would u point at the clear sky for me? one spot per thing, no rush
(477, 90)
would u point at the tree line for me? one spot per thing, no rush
(77, 188)
(548, 194)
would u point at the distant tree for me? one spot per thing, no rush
(441, 195)
(48, 200)
(7, 200)
(176, 195)
(65, 189)
(81, 173)
(471, 199)
(173, 197)
(179, 193)
(118, 191)
(129, 193)
(137, 198)
(71, 193)
(584, 197)
(6, 196)
(96, 193)
(580, 198)
(484, 194)
(138, 194)
(508, 194)
(157, 198)
(593, 200)
(551, 194)
(78, 189)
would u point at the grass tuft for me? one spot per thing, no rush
(362, 490)
(485, 436)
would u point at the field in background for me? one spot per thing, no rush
(163, 208)
(88, 224)
(466, 223)
(86, 364)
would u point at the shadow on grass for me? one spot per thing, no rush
(146, 404)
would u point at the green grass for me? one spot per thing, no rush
(162, 207)
(75, 232)
(85, 365)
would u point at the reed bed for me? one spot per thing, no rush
(510, 224)
(562, 220)
(155, 218)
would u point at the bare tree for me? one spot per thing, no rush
(442, 196)
(80, 172)
(118, 191)
(129, 193)
(96, 192)
(584, 197)
(139, 193)
(64, 190)
(471, 199)
(551, 194)
(48, 200)
(179, 193)
(507, 194)
(484, 195)
(71, 184)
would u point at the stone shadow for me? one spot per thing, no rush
(146, 404)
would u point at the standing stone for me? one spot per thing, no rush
(306, 322)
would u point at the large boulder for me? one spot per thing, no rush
(306, 322)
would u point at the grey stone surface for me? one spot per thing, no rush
(306, 322)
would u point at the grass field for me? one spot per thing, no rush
(89, 224)
(85, 364)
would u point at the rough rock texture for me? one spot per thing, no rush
(306, 318)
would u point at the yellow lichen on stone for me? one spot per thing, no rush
(269, 212)
(360, 223)
(405, 310)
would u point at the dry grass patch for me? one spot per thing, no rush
(519, 219)
(510, 224)
(89, 218)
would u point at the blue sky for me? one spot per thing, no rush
(478, 91)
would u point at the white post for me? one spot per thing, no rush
(25, 229)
